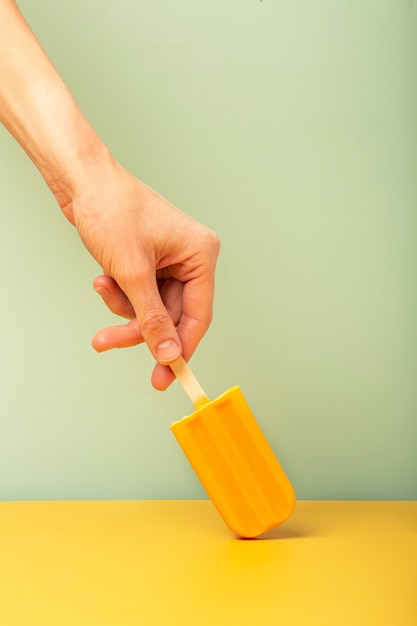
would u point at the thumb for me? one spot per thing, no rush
(155, 323)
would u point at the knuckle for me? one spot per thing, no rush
(206, 319)
(213, 242)
(203, 322)
(209, 246)
(154, 322)
(206, 322)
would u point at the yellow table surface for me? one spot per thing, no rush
(174, 562)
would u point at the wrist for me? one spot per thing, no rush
(70, 171)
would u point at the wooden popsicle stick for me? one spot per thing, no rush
(189, 382)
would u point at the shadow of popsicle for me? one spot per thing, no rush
(298, 526)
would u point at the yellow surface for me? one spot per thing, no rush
(236, 465)
(168, 562)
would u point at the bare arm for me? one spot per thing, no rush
(158, 263)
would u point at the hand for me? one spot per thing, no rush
(158, 263)
(162, 260)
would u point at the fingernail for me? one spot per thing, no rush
(104, 293)
(168, 351)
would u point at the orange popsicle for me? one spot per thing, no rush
(232, 458)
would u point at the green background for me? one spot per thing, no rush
(290, 128)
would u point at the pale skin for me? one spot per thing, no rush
(158, 263)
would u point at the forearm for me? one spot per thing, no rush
(39, 111)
